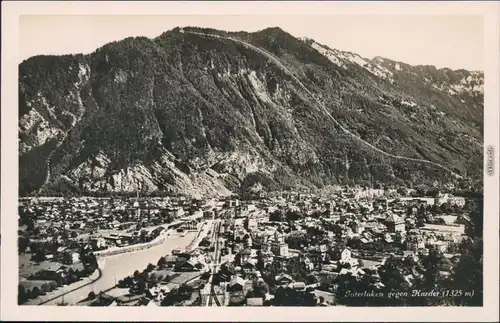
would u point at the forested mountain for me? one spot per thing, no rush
(191, 114)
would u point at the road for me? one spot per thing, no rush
(120, 266)
(320, 104)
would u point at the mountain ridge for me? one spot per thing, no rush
(257, 130)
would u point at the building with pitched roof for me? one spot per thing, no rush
(278, 245)
(394, 223)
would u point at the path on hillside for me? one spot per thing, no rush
(320, 104)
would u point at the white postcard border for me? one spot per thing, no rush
(11, 311)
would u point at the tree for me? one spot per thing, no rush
(260, 262)
(354, 242)
(143, 235)
(431, 268)
(35, 292)
(297, 269)
(72, 277)
(421, 212)
(328, 259)
(136, 274)
(125, 282)
(91, 295)
(311, 279)
(162, 262)
(474, 227)
(39, 256)
(246, 239)
(74, 235)
(316, 215)
(36, 231)
(402, 191)
(293, 216)
(141, 285)
(171, 298)
(206, 275)
(276, 216)
(280, 296)
(65, 235)
(89, 261)
(237, 299)
(45, 287)
(297, 241)
(150, 267)
(22, 296)
(398, 239)
(53, 284)
(154, 277)
(468, 274)
(334, 253)
(30, 225)
(260, 288)
(440, 221)
(185, 289)
(337, 230)
(309, 299)
(392, 276)
(23, 243)
(34, 246)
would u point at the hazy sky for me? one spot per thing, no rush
(454, 41)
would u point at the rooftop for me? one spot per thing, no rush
(393, 218)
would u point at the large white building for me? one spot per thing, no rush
(278, 245)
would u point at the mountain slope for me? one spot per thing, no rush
(197, 115)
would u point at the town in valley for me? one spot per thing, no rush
(211, 167)
(351, 247)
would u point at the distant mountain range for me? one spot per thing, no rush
(193, 113)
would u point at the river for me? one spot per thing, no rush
(119, 266)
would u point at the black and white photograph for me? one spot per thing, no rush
(264, 160)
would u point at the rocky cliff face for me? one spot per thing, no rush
(199, 115)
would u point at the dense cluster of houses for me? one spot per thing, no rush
(53, 231)
(299, 241)
(284, 249)
(52, 216)
(102, 223)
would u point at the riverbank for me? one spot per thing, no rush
(117, 266)
(124, 298)
(64, 290)
(138, 247)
